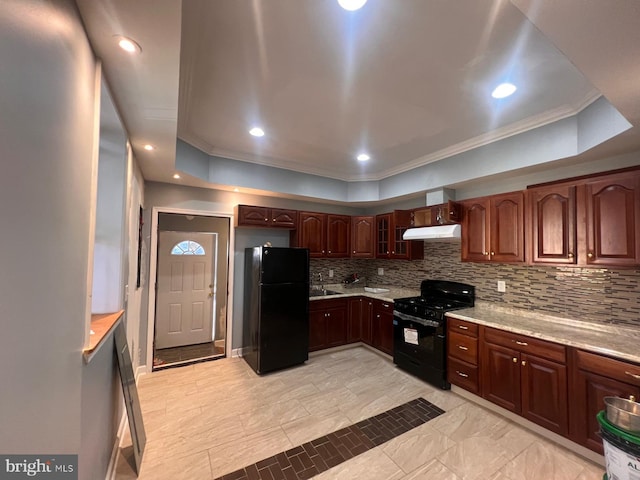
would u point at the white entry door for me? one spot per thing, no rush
(185, 289)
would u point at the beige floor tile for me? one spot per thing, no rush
(311, 427)
(272, 415)
(328, 400)
(368, 406)
(591, 472)
(433, 470)
(467, 421)
(247, 450)
(417, 447)
(543, 460)
(445, 399)
(371, 465)
(512, 439)
(190, 467)
(473, 458)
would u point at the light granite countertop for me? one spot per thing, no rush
(389, 296)
(613, 340)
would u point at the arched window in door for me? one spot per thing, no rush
(187, 247)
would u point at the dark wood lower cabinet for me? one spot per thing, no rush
(530, 380)
(382, 326)
(359, 320)
(317, 330)
(341, 321)
(327, 323)
(501, 376)
(544, 393)
(594, 377)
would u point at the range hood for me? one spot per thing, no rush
(439, 232)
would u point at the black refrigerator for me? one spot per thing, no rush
(276, 308)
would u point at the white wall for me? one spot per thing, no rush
(47, 100)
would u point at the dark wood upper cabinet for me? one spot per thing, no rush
(552, 214)
(507, 227)
(612, 207)
(493, 229)
(250, 216)
(325, 235)
(312, 234)
(362, 236)
(443, 214)
(390, 228)
(592, 220)
(338, 235)
(475, 231)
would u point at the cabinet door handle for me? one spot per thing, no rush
(462, 347)
(524, 344)
(632, 398)
(493, 253)
(570, 255)
(485, 253)
(354, 251)
(462, 327)
(590, 254)
(524, 363)
(463, 375)
(266, 219)
(515, 360)
(637, 377)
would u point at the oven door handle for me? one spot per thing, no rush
(411, 318)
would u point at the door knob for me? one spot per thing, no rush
(210, 294)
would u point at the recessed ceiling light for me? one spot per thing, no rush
(128, 45)
(176, 176)
(363, 157)
(148, 147)
(352, 5)
(257, 132)
(236, 189)
(503, 90)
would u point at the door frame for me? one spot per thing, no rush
(153, 268)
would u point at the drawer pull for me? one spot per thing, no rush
(462, 347)
(463, 375)
(524, 344)
(462, 327)
(637, 377)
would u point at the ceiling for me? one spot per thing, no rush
(407, 82)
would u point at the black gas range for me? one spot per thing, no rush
(419, 328)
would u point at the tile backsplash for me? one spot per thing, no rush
(602, 295)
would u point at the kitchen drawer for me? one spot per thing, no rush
(522, 343)
(463, 375)
(316, 305)
(460, 326)
(463, 347)
(608, 367)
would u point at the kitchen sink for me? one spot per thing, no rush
(322, 293)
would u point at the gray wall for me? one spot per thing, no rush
(47, 94)
(51, 401)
